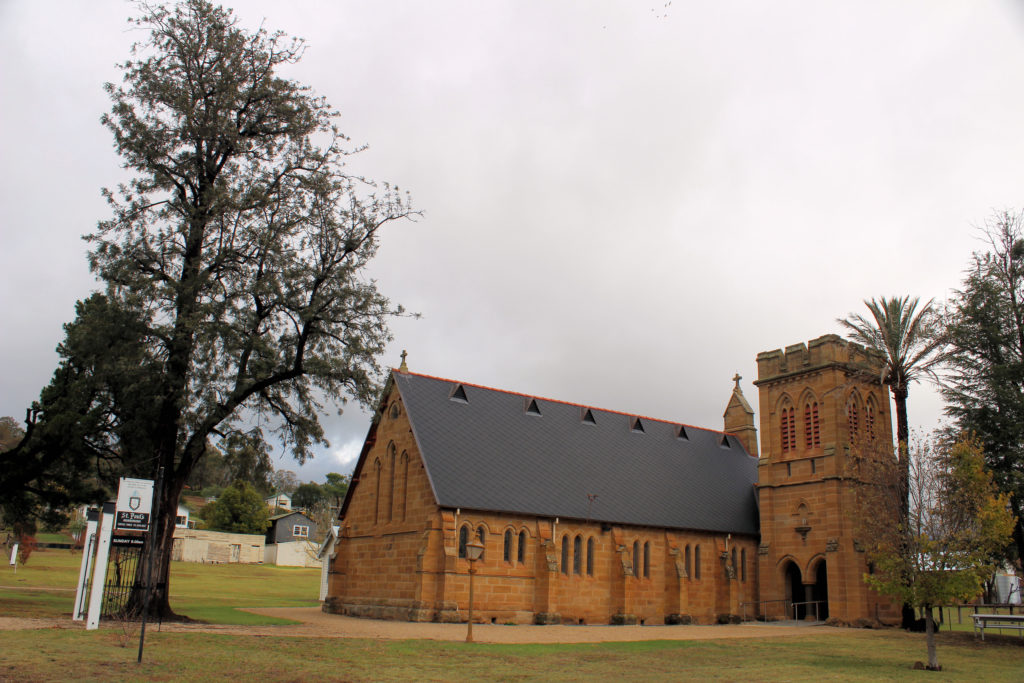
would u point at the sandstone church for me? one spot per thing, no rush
(591, 516)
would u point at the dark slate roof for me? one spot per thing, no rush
(274, 518)
(489, 453)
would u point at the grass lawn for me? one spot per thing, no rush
(212, 592)
(824, 654)
(208, 593)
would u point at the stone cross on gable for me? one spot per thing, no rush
(736, 378)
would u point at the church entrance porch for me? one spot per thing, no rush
(806, 600)
(819, 592)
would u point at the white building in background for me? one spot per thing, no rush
(182, 521)
(279, 500)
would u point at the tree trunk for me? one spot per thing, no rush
(929, 630)
(899, 395)
(159, 603)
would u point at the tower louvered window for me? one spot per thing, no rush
(788, 429)
(869, 420)
(812, 429)
(853, 417)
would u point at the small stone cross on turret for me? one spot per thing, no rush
(403, 367)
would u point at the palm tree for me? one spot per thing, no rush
(909, 341)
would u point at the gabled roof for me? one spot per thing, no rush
(485, 449)
(292, 513)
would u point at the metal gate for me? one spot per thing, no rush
(122, 569)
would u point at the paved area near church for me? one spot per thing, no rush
(317, 624)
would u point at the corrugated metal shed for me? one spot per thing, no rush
(492, 451)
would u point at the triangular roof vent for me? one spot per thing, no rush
(725, 441)
(588, 417)
(459, 394)
(637, 425)
(532, 408)
(681, 434)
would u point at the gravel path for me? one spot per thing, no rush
(317, 624)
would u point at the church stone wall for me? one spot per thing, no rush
(387, 525)
(398, 557)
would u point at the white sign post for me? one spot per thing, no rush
(134, 504)
(88, 544)
(99, 569)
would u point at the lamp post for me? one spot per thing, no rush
(474, 550)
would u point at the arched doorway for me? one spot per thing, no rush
(794, 591)
(819, 591)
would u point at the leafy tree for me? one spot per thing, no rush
(284, 481)
(325, 518)
(235, 251)
(909, 341)
(237, 458)
(984, 389)
(90, 424)
(11, 433)
(239, 510)
(336, 488)
(958, 523)
(307, 496)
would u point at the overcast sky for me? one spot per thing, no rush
(623, 202)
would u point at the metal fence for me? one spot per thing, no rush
(763, 610)
(122, 568)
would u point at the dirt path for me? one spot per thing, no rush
(317, 624)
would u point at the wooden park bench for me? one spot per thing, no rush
(999, 621)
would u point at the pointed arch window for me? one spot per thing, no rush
(647, 559)
(869, 419)
(743, 564)
(521, 550)
(696, 562)
(481, 535)
(577, 555)
(812, 428)
(853, 419)
(391, 482)
(565, 554)
(687, 564)
(507, 550)
(590, 556)
(403, 466)
(376, 502)
(636, 559)
(787, 427)
(463, 540)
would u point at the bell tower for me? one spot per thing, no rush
(817, 401)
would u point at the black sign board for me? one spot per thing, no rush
(127, 541)
(132, 521)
